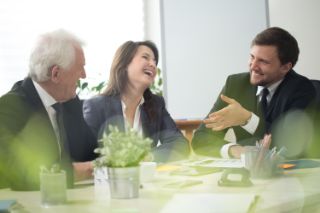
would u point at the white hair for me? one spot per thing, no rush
(56, 48)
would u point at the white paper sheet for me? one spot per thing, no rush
(209, 203)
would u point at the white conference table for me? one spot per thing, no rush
(294, 191)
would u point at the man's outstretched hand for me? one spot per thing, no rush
(232, 115)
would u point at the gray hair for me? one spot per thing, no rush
(53, 48)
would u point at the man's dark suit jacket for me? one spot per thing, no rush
(102, 111)
(28, 141)
(294, 93)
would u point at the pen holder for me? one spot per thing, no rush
(261, 163)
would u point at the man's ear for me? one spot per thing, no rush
(55, 73)
(286, 67)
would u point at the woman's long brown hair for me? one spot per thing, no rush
(119, 74)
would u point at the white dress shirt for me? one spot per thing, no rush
(137, 125)
(48, 101)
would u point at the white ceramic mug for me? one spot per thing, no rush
(147, 171)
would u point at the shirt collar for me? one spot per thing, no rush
(137, 126)
(46, 99)
(124, 105)
(272, 88)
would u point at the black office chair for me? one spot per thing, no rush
(316, 84)
(314, 148)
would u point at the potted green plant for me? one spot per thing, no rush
(121, 152)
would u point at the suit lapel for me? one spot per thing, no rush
(32, 94)
(280, 93)
(145, 123)
(34, 98)
(246, 94)
(149, 128)
(115, 117)
(38, 111)
(250, 98)
(115, 113)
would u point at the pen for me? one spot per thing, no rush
(253, 204)
(272, 152)
(281, 151)
(263, 151)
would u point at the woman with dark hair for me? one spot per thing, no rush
(128, 102)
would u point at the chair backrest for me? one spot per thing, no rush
(316, 84)
(187, 127)
(313, 150)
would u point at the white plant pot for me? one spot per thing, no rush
(124, 182)
(100, 176)
(101, 184)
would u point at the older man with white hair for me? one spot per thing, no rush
(41, 116)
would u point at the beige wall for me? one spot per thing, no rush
(302, 19)
(203, 41)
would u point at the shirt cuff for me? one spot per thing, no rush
(224, 151)
(252, 125)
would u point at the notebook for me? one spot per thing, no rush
(11, 205)
(6, 205)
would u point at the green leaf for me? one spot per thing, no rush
(122, 148)
(84, 85)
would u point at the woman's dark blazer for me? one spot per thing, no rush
(102, 111)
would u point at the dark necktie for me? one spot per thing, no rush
(264, 102)
(62, 134)
(63, 143)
